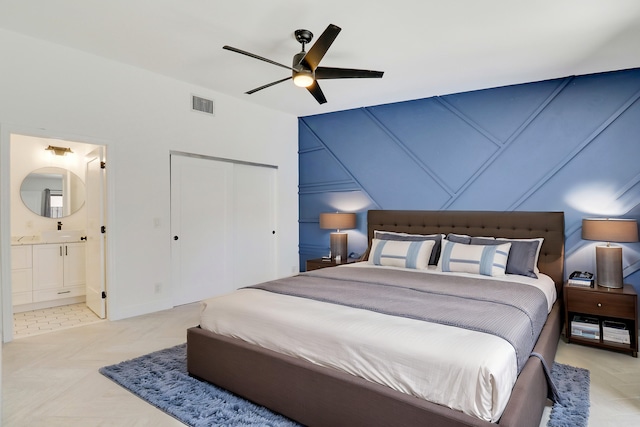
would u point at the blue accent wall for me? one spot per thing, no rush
(570, 144)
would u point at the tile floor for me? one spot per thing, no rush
(36, 322)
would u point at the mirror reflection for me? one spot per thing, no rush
(52, 192)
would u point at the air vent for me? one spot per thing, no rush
(201, 104)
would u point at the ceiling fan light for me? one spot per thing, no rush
(303, 79)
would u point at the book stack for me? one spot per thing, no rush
(615, 332)
(581, 279)
(585, 327)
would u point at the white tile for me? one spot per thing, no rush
(55, 318)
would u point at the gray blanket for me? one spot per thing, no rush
(512, 311)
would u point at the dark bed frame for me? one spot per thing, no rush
(319, 396)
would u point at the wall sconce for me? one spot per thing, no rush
(609, 258)
(338, 240)
(58, 151)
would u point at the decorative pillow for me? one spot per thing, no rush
(452, 237)
(488, 260)
(458, 238)
(396, 253)
(523, 256)
(406, 237)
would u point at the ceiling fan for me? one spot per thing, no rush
(305, 70)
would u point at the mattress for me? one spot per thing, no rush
(469, 371)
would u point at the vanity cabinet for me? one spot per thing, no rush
(21, 274)
(58, 271)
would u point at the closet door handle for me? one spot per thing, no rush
(60, 250)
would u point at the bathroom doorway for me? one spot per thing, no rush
(57, 198)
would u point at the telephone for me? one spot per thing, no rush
(581, 278)
(584, 275)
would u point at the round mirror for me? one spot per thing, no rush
(52, 192)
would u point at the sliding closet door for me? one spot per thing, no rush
(254, 217)
(223, 226)
(201, 221)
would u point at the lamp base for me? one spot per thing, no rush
(609, 266)
(338, 243)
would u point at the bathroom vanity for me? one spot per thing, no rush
(47, 271)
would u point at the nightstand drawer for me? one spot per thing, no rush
(314, 264)
(602, 304)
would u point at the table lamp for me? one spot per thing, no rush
(609, 258)
(338, 239)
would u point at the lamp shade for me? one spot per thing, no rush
(610, 229)
(337, 220)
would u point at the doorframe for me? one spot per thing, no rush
(6, 130)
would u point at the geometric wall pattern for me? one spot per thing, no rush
(570, 144)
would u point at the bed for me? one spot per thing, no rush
(318, 395)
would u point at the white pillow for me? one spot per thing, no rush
(488, 260)
(392, 235)
(442, 243)
(404, 254)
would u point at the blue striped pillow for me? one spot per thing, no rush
(392, 235)
(396, 253)
(523, 256)
(488, 260)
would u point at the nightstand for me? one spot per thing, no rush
(316, 263)
(619, 305)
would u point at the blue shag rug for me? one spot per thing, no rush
(161, 379)
(573, 386)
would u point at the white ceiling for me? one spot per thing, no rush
(425, 47)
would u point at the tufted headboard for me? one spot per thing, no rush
(523, 225)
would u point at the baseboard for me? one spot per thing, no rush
(125, 312)
(47, 304)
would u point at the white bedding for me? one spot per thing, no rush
(465, 370)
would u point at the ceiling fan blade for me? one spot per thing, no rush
(315, 90)
(346, 73)
(267, 85)
(252, 55)
(320, 47)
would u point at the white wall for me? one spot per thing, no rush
(140, 117)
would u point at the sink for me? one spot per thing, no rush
(61, 236)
